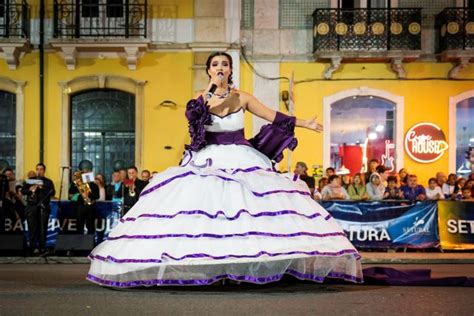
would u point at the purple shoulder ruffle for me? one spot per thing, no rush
(198, 115)
(274, 138)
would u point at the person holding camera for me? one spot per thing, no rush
(38, 191)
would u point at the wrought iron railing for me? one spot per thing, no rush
(455, 28)
(14, 19)
(100, 18)
(366, 29)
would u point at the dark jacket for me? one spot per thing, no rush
(131, 200)
(42, 195)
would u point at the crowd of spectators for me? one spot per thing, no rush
(378, 183)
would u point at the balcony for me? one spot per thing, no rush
(104, 27)
(14, 30)
(455, 34)
(367, 34)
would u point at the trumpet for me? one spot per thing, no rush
(84, 188)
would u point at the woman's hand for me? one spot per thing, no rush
(311, 124)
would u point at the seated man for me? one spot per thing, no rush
(412, 190)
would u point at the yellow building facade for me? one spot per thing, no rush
(172, 73)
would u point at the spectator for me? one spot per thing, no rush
(375, 188)
(448, 187)
(123, 174)
(392, 192)
(412, 190)
(357, 190)
(330, 172)
(433, 191)
(334, 190)
(467, 194)
(301, 170)
(8, 172)
(458, 186)
(114, 187)
(373, 164)
(100, 181)
(440, 179)
(146, 176)
(403, 174)
(384, 173)
(321, 184)
(346, 181)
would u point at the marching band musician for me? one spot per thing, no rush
(84, 194)
(131, 188)
(38, 196)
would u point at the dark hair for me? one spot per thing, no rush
(330, 168)
(132, 167)
(41, 165)
(146, 170)
(7, 169)
(334, 176)
(362, 178)
(412, 176)
(322, 180)
(211, 56)
(432, 179)
(380, 169)
(392, 179)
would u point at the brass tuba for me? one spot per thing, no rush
(84, 188)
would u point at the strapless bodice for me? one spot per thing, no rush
(231, 122)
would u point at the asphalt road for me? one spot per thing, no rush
(61, 289)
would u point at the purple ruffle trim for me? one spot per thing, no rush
(205, 255)
(274, 138)
(198, 115)
(245, 278)
(216, 215)
(210, 235)
(259, 194)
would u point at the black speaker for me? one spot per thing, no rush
(11, 242)
(74, 242)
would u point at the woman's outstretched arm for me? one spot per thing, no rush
(261, 110)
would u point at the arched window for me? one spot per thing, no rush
(362, 128)
(8, 128)
(103, 129)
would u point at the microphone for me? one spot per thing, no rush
(213, 88)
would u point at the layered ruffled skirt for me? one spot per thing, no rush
(223, 214)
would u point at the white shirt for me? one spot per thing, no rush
(448, 189)
(431, 194)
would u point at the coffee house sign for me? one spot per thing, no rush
(425, 142)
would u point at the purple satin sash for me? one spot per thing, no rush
(227, 138)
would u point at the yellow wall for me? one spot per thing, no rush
(168, 75)
(425, 100)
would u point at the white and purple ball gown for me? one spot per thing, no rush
(225, 213)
